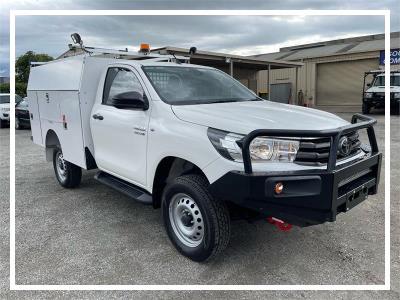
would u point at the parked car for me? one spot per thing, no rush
(197, 143)
(22, 118)
(18, 98)
(4, 110)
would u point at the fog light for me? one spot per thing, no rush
(278, 188)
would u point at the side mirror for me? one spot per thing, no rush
(368, 85)
(130, 100)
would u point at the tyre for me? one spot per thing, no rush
(2, 123)
(197, 224)
(365, 108)
(17, 124)
(396, 109)
(67, 174)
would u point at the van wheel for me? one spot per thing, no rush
(197, 224)
(17, 124)
(67, 174)
(2, 123)
(396, 109)
(365, 108)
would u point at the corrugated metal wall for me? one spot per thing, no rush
(340, 83)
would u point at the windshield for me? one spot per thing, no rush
(18, 98)
(188, 85)
(4, 98)
(23, 103)
(380, 81)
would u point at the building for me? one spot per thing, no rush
(333, 72)
(4, 79)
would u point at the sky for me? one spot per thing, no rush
(243, 35)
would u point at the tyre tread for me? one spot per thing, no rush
(218, 210)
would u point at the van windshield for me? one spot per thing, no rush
(178, 85)
(380, 81)
(4, 99)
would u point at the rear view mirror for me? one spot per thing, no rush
(130, 100)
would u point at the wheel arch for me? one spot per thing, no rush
(167, 169)
(52, 142)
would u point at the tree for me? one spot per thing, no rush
(20, 88)
(4, 88)
(22, 65)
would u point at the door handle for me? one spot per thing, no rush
(97, 117)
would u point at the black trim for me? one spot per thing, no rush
(90, 161)
(122, 186)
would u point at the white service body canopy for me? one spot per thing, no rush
(57, 75)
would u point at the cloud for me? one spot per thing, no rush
(51, 34)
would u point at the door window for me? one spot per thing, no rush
(120, 80)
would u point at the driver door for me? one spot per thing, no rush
(120, 135)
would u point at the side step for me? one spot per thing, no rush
(124, 187)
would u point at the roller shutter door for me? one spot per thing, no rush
(340, 83)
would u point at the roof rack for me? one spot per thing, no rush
(125, 54)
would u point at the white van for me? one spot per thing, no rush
(4, 110)
(195, 142)
(374, 96)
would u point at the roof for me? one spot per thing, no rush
(334, 47)
(217, 59)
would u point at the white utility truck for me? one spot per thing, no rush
(195, 142)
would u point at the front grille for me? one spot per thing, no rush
(316, 151)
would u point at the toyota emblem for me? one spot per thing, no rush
(344, 146)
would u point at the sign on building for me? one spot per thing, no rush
(394, 57)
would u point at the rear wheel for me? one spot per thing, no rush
(67, 174)
(197, 224)
(366, 108)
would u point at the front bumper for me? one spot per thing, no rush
(378, 101)
(309, 197)
(5, 116)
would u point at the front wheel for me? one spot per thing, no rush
(197, 224)
(366, 108)
(17, 124)
(67, 174)
(396, 108)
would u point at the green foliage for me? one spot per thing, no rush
(5, 88)
(20, 88)
(22, 65)
(22, 68)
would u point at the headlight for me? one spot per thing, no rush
(368, 95)
(268, 149)
(396, 95)
(225, 143)
(262, 149)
